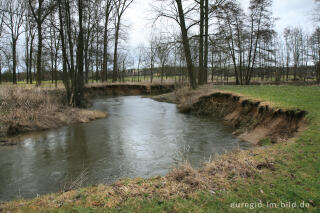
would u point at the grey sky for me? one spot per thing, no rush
(291, 13)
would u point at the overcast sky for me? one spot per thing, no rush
(291, 13)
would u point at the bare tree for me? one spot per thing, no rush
(317, 11)
(66, 77)
(200, 73)
(14, 20)
(315, 50)
(89, 25)
(79, 93)
(230, 18)
(243, 39)
(186, 46)
(120, 7)
(261, 21)
(296, 44)
(141, 57)
(179, 12)
(162, 53)
(54, 45)
(1, 48)
(151, 55)
(40, 10)
(108, 11)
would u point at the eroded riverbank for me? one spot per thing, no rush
(254, 121)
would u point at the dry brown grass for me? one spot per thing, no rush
(29, 109)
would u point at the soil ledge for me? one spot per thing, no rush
(254, 121)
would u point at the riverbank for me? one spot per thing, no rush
(26, 109)
(33, 109)
(121, 89)
(282, 173)
(255, 121)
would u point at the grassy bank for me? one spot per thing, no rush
(282, 177)
(31, 109)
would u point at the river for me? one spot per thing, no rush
(140, 138)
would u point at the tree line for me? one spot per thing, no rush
(61, 33)
(78, 40)
(241, 43)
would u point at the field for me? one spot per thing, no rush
(286, 178)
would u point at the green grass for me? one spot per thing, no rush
(295, 178)
(265, 142)
(302, 97)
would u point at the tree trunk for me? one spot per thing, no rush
(97, 56)
(318, 72)
(105, 44)
(115, 57)
(162, 70)
(206, 42)
(200, 73)
(71, 48)
(186, 45)
(86, 51)
(151, 77)
(52, 61)
(27, 56)
(56, 68)
(0, 72)
(64, 55)
(79, 94)
(30, 61)
(39, 56)
(86, 62)
(14, 61)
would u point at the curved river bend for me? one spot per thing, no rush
(140, 138)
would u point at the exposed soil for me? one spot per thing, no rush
(128, 89)
(168, 98)
(253, 120)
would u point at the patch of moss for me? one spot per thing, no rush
(265, 142)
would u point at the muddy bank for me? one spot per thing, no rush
(168, 97)
(127, 89)
(254, 121)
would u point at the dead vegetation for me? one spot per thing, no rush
(29, 109)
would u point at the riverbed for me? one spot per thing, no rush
(140, 138)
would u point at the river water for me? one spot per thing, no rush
(139, 138)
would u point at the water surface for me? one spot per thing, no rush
(140, 138)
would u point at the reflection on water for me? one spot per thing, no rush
(140, 138)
